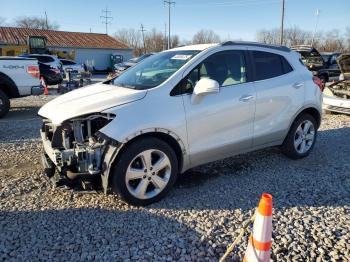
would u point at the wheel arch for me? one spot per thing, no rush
(8, 86)
(163, 134)
(311, 110)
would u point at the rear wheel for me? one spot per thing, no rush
(301, 137)
(4, 104)
(145, 171)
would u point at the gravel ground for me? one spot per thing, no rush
(198, 219)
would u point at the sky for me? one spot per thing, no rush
(231, 19)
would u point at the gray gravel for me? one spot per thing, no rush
(196, 222)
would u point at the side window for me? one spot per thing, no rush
(269, 65)
(227, 68)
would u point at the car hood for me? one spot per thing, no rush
(344, 63)
(86, 100)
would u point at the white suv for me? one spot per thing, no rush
(178, 109)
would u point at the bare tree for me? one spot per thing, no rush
(35, 23)
(154, 40)
(131, 37)
(205, 37)
(324, 41)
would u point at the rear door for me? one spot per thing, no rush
(280, 94)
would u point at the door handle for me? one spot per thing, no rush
(246, 98)
(298, 85)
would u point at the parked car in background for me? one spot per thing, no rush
(76, 68)
(49, 75)
(133, 61)
(18, 77)
(332, 66)
(179, 109)
(336, 96)
(316, 63)
(50, 60)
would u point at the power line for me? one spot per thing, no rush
(169, 3)
(106, 18)
(142, 30)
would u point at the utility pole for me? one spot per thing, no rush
(46, 24)
(165, 37)
(282, 22)
(169, 3)
(314, 35)
(106, 18)
(142, 30)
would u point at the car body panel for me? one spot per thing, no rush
(90, 99)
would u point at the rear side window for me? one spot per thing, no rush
(269, 65)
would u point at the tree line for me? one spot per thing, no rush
(155, 40)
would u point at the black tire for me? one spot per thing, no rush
(323, 78)
(4, 104)
(119, 184)
(288, 147)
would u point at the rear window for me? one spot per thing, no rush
(44, 59)
(66, 62)
(269, 65)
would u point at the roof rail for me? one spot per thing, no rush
(277, 47)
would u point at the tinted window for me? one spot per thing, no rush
(227, 68)
(269, 65)
(66, 62)
(44, 59)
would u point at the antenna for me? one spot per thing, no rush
(106, 18)
(142, 30)
(169, 3)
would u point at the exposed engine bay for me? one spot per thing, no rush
(340, 89)
(76, 147)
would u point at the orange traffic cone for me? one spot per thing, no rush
(259, 245)
(43, 83)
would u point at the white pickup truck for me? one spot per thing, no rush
(18, 77)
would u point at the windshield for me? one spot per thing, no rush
(155, 70)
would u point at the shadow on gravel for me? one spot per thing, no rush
(21, 113)
(321, 179)
(93, 234)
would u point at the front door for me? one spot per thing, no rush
(220, 124)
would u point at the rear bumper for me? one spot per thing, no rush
(336, 104)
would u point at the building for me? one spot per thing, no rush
(90, 48)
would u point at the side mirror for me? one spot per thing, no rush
(203, 87)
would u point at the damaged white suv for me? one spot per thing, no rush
(178, 109)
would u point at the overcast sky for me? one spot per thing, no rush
(234, 19)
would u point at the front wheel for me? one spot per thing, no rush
(145, 171)
(4, 104)
(301, 137)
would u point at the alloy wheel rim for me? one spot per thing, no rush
(148, 174)
(304, 137)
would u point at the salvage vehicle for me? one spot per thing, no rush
(49, 75)
(316, 64)
(69, 64)
(133, 61)
(179, 109)
(330, 59)
(336, 96)
(18, 77)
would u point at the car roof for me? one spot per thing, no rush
(199, 47)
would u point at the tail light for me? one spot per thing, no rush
(318, 82)
(33, 71)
